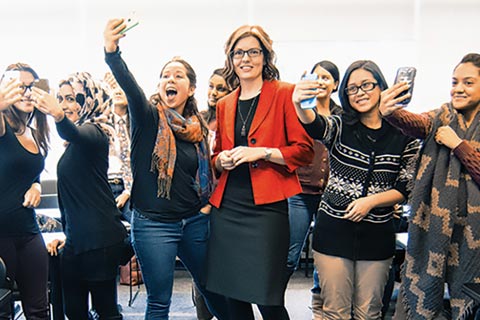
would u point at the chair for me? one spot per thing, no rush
(5, 293)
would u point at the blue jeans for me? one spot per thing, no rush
(301, 211)
(157, 244)
(117, 190)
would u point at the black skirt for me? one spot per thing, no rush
(248, 246)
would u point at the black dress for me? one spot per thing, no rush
(248, 246)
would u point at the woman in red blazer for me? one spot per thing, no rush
(259, 144)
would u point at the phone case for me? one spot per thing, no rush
(312, 102)
(406, 74)
(130, 22)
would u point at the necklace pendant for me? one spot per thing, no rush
(243, 132)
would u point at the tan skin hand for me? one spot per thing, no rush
(122, 199)
(54, 246)
(48, 104)
(304, 89)
(446, 136)
(32, 198)
(358, 209)
(388, 102)
(112, 35)
(10, 93)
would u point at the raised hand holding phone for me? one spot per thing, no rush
(130, 22)
(311, 102)
(406, 74)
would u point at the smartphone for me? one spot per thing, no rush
(42, 84)
(406, 74)
(312, 102)
(11, 74)
(130, 21)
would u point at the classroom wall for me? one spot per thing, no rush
(58, 37)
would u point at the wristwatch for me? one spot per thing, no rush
(268, 154)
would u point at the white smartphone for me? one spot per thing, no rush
(130, 21)
(11, 74)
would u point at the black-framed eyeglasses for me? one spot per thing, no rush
(25, 87)
(252, 53)
(366, 87)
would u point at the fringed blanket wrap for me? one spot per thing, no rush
(444, 229)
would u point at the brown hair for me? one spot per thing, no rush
(191, 107)
(269, 72)
(37, 120)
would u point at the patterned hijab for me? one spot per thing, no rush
(94, 102)
(444, 228)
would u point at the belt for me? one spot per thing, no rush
(115, 181)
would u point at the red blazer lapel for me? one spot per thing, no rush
(230, 113)
(264, 103)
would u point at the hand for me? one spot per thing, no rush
(48, 104)
(32, 198)
(10, 93)
(358, 209)
(110, 80)
(54, 246)
(112, 35)
(388, 100)
(242, 154)
(448, 137)
(122, 199)
(305, 89)
(225, 161)
(206, 209)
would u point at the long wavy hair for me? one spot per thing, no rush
(191, 107)
(36, 121)
(350, 115)
(269, 72)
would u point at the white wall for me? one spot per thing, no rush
(58, 37)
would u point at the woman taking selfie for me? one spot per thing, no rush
(371, 164)
(23, 148)
(91, 221)
(172, 177)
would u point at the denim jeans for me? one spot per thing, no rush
(157, 244)
(301, 210)
(117, 190)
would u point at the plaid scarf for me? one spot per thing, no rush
(444, 229)
(170, 125)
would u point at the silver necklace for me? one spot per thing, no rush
(243, 131)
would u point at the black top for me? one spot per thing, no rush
(19, 168)
(144, 117)
(363, 162)
(90, 217)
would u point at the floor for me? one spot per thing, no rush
(297, 299)
(182, 308)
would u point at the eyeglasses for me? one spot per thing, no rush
(366, 87)
(252, 53)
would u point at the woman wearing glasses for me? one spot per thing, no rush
(259, 144)
(91, 220)
(23, 148)
(371, 164)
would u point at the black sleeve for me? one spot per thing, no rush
(86, 134)
(138, 105)
(316, 129)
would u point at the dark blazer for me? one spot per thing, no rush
(274, 125)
